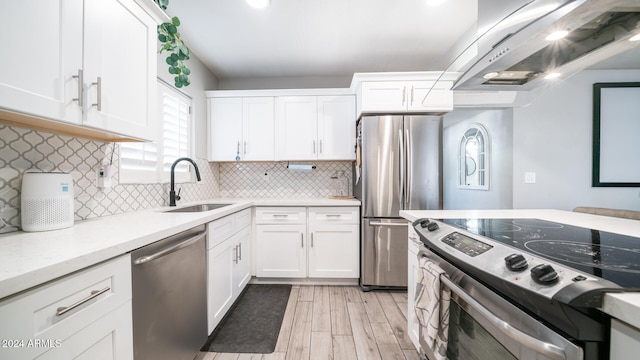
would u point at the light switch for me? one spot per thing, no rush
(529, 177)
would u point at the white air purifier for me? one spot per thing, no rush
(47, 201)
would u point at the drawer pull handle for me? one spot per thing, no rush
(280, 215)
(94, 294)
(333, 215)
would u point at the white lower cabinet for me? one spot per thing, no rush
(84, 315)
(412, 322)
(325, 246)
(625, 340)
(228, 259)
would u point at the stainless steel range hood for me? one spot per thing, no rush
(516, 55)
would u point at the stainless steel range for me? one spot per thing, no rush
(528, 288)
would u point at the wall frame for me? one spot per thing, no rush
(616, 127)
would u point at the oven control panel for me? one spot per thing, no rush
(521, 268)
(466, 244)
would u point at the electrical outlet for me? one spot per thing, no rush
(529, 177)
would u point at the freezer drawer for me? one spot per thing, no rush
(384, 253)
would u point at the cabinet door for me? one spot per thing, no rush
(258, 129)
(242, 268)
(220, 265)
(120, 63)
(42, 29)
(336, 127)
(412, 322)
(281, 251)
(109, 338)
(423, 98)
(296, 128)
(334, 251)
(225, 128)
(384, 96)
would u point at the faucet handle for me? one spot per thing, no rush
(178, 194)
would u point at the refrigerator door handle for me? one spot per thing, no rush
(401, 154)
(408, 163)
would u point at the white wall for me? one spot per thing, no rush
(201, 79)
(553, 138)
(499, 126)
(308, 82)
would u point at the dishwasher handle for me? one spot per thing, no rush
(168, 250)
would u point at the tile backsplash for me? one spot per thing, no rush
(248, 179)
(24, 150)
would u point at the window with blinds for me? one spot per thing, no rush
(151, 162)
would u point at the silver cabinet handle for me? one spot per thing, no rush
(301, 240)
(98, 104)
(80, 78)
(94, 294)
(411, 95)
(245, 148)
(280, 215)
(238, 148)
(320, 146)
(314, 146)
(235, 254)
(311, 239)
(333, 215)
(375, 223)
(169, 250)
(240, 251)
(404, 94)
(548, 350)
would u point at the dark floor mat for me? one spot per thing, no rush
(253, 325)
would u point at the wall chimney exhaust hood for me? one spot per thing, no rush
(515, 55)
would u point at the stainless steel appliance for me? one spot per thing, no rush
(169, 297)
(517, 53)
(528, 288)
(399, 168)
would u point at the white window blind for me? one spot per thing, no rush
(151, 162)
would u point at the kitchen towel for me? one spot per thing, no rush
(432, 306)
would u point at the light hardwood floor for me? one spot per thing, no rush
(339, 323)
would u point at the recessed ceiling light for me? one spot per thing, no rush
(552, 75)
(557, 35)
(435, 2)
(258, 4)
(635, 37)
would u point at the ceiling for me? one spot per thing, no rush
(321, 38)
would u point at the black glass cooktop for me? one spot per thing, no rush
(611, 256)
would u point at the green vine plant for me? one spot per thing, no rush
(178, 52)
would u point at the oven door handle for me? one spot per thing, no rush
(546, 349)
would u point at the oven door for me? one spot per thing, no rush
(482, 325)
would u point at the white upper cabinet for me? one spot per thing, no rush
(46, 29)
(336, 127)
(315, 127)
(406, 96)
(120, 68)
(296, 128)
(403, 92)
(241, 128)
(100, 69)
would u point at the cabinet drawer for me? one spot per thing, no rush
(281, 215)
(59, 309)
(243, 219)
(220, 230)
(334, 215)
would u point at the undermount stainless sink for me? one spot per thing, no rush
(198, 208)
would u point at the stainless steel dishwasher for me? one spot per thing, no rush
(169, 297)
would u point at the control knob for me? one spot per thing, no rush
(544, 274)
(516, 262)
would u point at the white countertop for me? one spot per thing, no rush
(28, 259)
(623, 306)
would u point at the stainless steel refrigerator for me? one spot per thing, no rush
(398, 167)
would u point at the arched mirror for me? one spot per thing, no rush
(473, 168)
